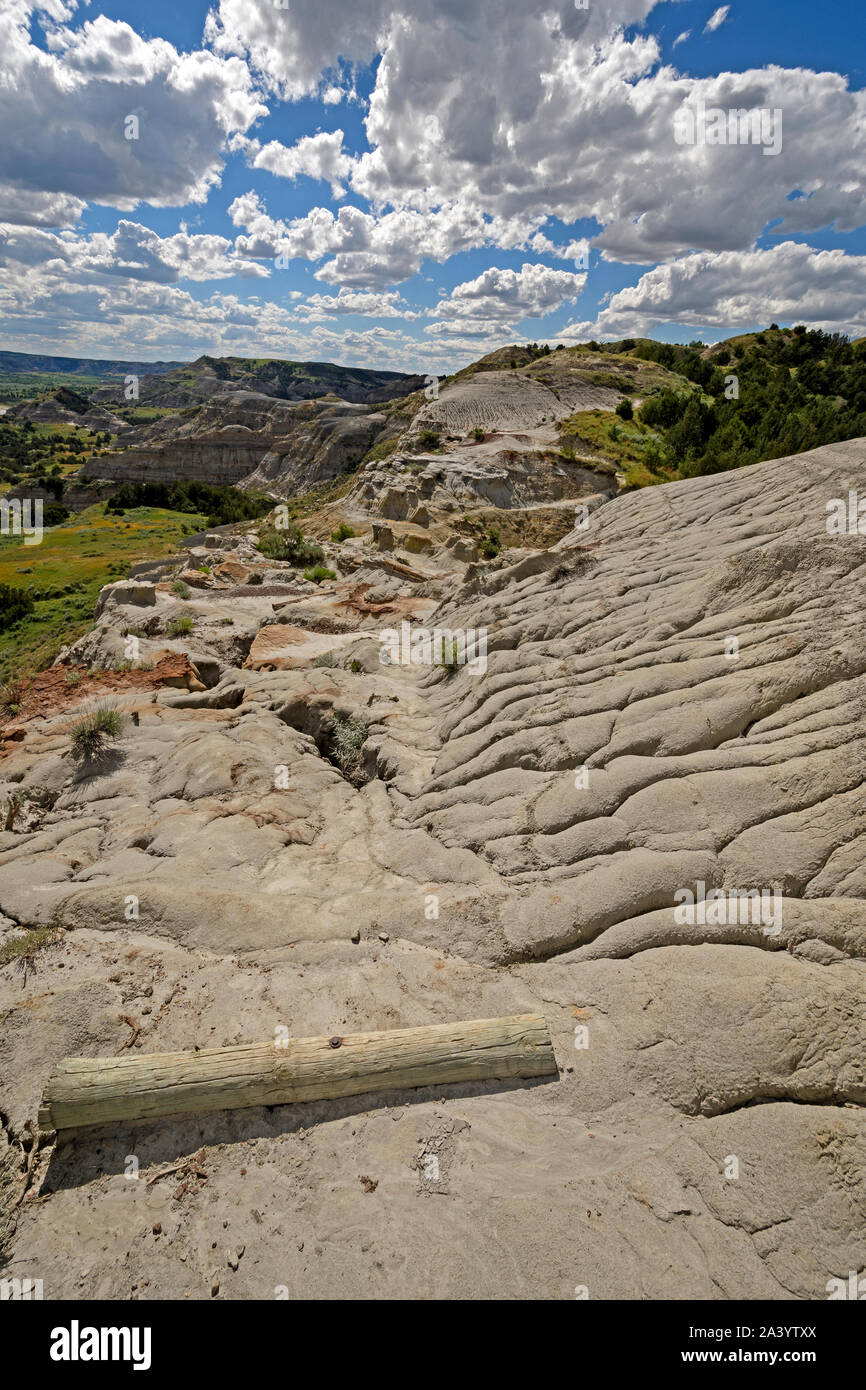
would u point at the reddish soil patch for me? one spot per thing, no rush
(355, 599)
(403, 606)
(50, 691)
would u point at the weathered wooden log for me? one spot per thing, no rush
(101, 1090)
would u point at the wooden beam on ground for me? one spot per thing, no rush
(103, 1090)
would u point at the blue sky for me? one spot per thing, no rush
(411, 183)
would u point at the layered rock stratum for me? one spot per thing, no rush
(673, 695)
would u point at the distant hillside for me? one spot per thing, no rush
(193, 383)
(17, 363)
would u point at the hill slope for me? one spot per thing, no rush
(685, 410)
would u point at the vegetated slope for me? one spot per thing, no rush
(707, 409)
(757, 396)
(442, 844)
(63, 575)
(36, 452)
(196, 382)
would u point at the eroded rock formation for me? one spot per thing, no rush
(672, 695)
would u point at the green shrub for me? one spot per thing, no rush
(14, 605)
(221, 505)
(290, 547)
(326, 659)
(181, 590)
(342, 533)
(490, 545)
(625, 409)
(653, 458)
(54, 513)
(478, 434)
(663, 410)
(178, 627)
(450, 658)
(93, 732)
(318, 573)
(429, 439)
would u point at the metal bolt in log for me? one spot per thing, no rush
(102, 1090)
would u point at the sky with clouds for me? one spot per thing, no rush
(407, 184)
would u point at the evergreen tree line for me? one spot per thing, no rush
(793, 393)
(221, 505)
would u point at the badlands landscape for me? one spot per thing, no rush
(291, 826)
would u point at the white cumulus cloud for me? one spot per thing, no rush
(733, 290)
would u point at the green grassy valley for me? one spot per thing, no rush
(63, 576)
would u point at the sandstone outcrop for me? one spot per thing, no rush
(242, 438)
(249, 431)
(318, 839)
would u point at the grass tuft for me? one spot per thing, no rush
(346, 737)
(93, 732)
(21, 951)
